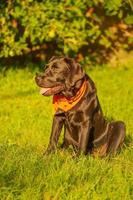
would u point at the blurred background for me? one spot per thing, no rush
(91, 31)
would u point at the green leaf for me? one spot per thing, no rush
(129, 19)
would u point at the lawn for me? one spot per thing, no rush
(25, 123)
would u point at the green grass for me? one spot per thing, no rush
(25, 123)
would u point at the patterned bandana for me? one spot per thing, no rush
(65, 104)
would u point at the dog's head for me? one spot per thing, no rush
(61, 75)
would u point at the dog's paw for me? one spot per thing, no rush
(49, 151)
(64, 146)
(46, 152)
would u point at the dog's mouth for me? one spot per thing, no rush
(44, 90)
(51, 90)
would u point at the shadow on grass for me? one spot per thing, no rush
(128, 140)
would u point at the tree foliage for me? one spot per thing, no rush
(71, 25)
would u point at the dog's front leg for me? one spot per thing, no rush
(84, 138)
(55, 133)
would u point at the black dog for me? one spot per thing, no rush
(77, 108)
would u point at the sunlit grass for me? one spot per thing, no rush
(25, 124)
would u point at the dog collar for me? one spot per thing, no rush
(64, 103)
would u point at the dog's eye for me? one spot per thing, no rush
(60, 80)
(55, 66)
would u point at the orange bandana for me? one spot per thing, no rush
(59, 101)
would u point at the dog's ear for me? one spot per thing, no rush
(75, 70)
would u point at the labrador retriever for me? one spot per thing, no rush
(78, 110)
